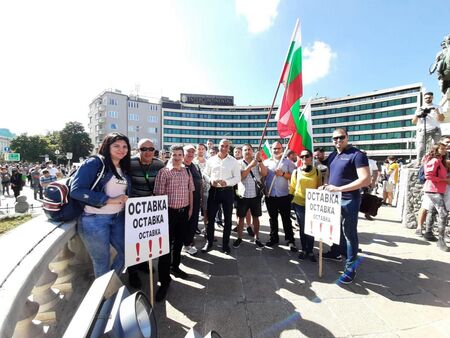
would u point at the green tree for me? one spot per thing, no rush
(74, 139)
(30, 148)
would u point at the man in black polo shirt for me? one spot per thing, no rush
(143, 170)
(348, 172)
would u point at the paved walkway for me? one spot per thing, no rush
(402, 289)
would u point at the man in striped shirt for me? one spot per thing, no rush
(176, 182)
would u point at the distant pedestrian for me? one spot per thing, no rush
(17, 182)
(6, 180)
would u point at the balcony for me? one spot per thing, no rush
(43, 280)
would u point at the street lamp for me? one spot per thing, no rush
(57, 152)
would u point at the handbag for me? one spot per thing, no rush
(370, 204)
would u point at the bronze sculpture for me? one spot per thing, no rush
(442, 65)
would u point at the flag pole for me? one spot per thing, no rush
(279, 164)
(278, 87)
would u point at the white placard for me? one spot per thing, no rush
(146, 229)
(323, 215)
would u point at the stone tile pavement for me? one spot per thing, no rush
(402, 289)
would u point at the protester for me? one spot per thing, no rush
(349, 172)
(17, 182)
(46, 178)
(195, 171)
(103, 219)
(222, 172)
(252, 171)
(305, 177)
(6, 181)
(143, 170)
(393, 174)
(435, 168)
(278, 201)
(176, 182)
(319, 157)
(35, 182)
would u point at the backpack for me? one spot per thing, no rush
(58, 205)
(421, 175)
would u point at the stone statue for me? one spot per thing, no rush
(442, 65)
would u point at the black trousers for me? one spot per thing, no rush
(217, 196)
(193, 221)
(178, 226)
(282, 206)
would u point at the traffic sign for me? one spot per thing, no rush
(6, 149)
(12, 157)
(69, 156)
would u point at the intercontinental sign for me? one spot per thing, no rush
(210, 100)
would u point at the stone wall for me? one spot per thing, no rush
(412, 197)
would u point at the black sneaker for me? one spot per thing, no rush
(250, 231)
(226, 250)
(302, 255)
(271, 243)
(430, 237)
(235, 229)
(177, 272)
(237, 243)
(347, 277)
(368, 217)
(312, 258)
(332, 257)
(292, 247)
(258, 243)
(207, 247)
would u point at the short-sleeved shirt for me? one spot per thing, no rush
(176, 184)
(342, 168)
(281, 186)
(431, 119)
(247, 186)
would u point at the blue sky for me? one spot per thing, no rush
(57, 56)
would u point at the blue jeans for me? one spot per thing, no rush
(97, 232)
(349, 231)
(307, 241)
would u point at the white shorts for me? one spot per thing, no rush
(426, 202)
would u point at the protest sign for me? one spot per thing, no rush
(323, 215)
(146, 229)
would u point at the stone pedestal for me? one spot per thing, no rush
(445, 108)
(412, 197)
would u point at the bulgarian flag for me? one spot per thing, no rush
(265, 151)
(289, 120)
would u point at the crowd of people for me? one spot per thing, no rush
(210, 182)
(14, 176)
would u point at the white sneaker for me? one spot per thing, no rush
(191, 250)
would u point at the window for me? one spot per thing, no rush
(113, 114)
(113, 126)
(113, 102)
(133, 104)
(130, 128)
(133, 117)
(152, 130)
(152, 119)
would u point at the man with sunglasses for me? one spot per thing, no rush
(143, 170)
(348, 173)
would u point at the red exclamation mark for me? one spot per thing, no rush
(150, 248)
(331, 232)
(160, 245)
(321, 229)
(138, 246)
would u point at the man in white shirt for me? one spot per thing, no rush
(222, 172)
(428, 120)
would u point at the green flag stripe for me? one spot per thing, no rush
(295, 65)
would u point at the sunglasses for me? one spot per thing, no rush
(305, 156)
(147, 149)
(340, 137)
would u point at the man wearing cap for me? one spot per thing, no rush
(143, 170)
(319, 157)
(222, 172)
(194, 169)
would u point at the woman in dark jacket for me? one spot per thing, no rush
(16, 182)
(103, 220)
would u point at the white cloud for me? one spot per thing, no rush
(260, 14)
(317, 61)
